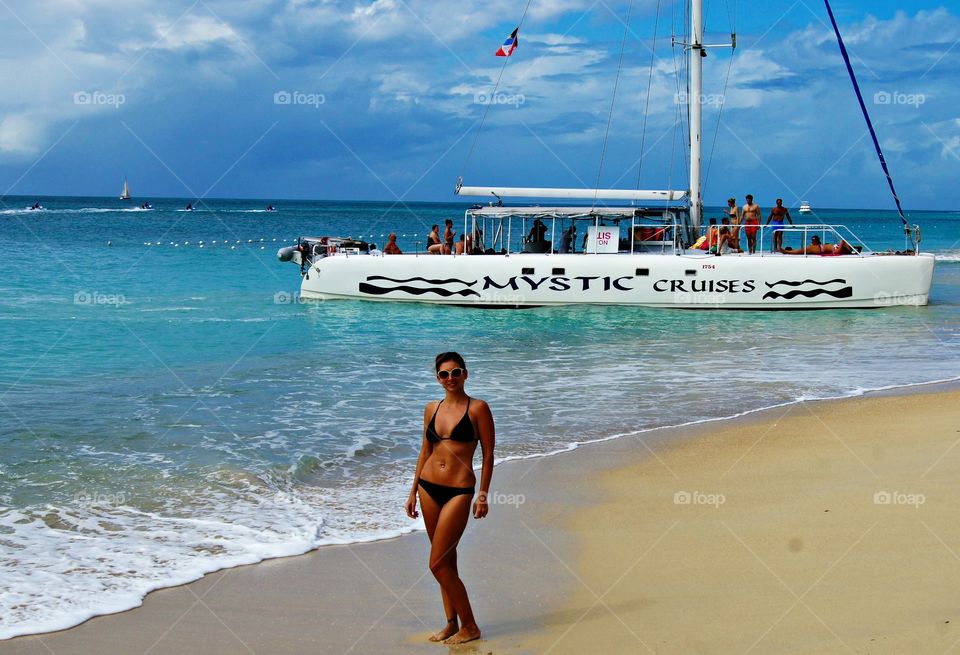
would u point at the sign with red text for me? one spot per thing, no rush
(603, 238)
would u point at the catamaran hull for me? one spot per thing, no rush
(653, 280)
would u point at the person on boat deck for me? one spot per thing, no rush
(392, 248)
(815, 248)
(712, 242)
(842, 248)
(818, 248)
(568, 239)
(434, 247)
(538, 232)
(727, 236)
(777, 215)
(734, 213)
(477, 244)
(373, 250)
(750, 217)
(461, 245)
(448, 234)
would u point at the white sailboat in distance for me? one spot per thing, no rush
(125, 194)
(639, 253)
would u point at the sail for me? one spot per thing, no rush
(125, 195)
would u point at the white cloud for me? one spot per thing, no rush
(21, 135)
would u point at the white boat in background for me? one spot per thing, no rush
(805, 207)
(618, 255)
(125, 194)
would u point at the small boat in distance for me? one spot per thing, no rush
(125, 194)
(805, 207)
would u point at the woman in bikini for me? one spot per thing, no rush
(448, 234)
(445, 483)
(734, 213)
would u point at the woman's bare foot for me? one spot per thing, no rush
(445, 632)
(464, 635)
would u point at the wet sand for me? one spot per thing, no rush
(827, 527)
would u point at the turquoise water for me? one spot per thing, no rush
(169, 410)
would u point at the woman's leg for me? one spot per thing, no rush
(431, 512)
(443, 563)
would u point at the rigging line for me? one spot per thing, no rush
(716, 130)
(866, 115)
(646, 106)
(613, 100)
(496, 86)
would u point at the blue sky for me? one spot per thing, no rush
(381, 99)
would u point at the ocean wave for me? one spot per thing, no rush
(108, 554)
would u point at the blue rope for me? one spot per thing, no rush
(866, 115)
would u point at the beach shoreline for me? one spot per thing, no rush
(375, 603)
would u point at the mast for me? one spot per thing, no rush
(695, 103)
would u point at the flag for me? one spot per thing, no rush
(509, 45)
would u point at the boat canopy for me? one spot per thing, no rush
(567, 212)
(583, 194)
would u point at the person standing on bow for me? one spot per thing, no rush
(777, 215)
(751, 219)
(445, 483)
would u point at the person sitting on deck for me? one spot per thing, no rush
(815, 248)
(461, 246)
(434, 247)
(711, 241)
(728, 236)
(392, 248)
(842, 248)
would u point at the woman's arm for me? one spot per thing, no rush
(487, 432)
(426, 449)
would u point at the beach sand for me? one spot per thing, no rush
(822, 527)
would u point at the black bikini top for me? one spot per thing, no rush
(463, 431)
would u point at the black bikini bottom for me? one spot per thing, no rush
(441, 493)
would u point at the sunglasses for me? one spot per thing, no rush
(454, 373)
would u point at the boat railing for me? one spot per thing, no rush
(827, 233)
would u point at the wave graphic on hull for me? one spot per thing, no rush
(416, 291)
(371, 278)
(792, 283)
(845, 292)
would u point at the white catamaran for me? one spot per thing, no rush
(626, 255)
